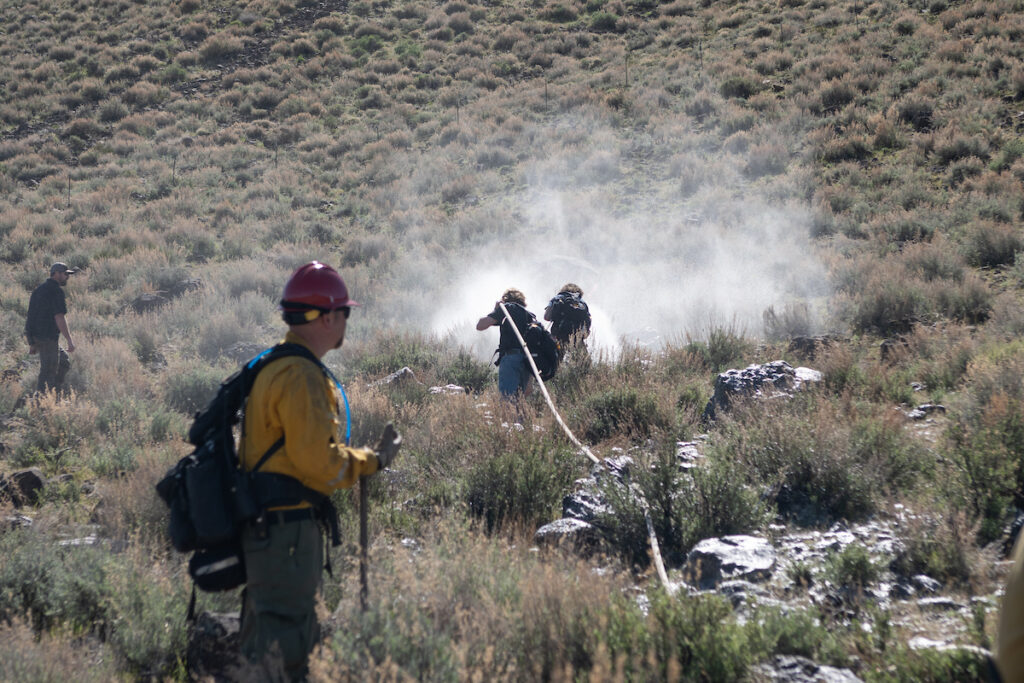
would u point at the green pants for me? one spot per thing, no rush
(279, 610)
(54, 364)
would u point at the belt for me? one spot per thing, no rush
(287, 516)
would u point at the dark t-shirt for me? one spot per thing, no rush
(508, 341)
(46, 301)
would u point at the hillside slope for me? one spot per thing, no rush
(719, 177)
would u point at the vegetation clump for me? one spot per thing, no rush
(428, 148)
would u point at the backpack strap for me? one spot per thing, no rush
(266, 456)
(274, 490)
(291, 349)
(190, 616)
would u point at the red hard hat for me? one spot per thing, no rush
(315, 285)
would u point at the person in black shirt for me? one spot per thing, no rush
(46, 322)
(513, 368)
(570, 319)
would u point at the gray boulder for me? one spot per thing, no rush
(770, 380)
(714, 560)
(15, 521)
(22, 487)
(449, 390)
(924, 410)
(794, 669)
(688, 455)
(585, 505)
(397, 378)
(567, 532)
(213, 645)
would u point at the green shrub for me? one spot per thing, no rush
(887, 304)
(402, 633)
(1011, 151)
(793, 321)
(968, 301)
(929, 665)
(700, 106)
(852, 567)
(990, 452)
(956, 145)
(987, 439)
(815, 463)
(696, 638)
(603, 21)
(53, 427)
(52, 658)
(942, 549)
(691, 402)
(147, 612)
(559, 13)
(717, 502)
(685, 507)
(522, 487)
(991, 244)
(220, 47)
(846, 148)
(395, 351)
(626, 412)
(466, 371)
(765, 159)
(84, 588)
(366, 44)
(836, 94)
(917, 112)
(740, 87)
(798, 632)
(726, 347)
(191, 389)
(801, 574)
(30, 571)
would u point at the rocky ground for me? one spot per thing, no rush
(787, 567)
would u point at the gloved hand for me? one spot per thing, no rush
(387, 447)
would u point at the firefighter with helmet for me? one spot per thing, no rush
(292, 398)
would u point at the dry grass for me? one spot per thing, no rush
(154, 142)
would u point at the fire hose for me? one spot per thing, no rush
(651, 536)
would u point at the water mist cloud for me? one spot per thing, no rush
(649, 274)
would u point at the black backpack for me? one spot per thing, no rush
(543, 348)
(569, 315)
(211, 498)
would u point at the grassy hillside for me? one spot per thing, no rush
(719, 177)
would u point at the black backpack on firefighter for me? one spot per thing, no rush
(543, 348)
(211, 498)
(569, 315)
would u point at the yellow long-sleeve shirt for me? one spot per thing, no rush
(292, 397)
(1010, 638)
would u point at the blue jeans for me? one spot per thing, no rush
(513, 374)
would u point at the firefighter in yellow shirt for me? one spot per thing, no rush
(295, 399)
(1010, 637)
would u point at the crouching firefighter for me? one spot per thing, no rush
(294, 436)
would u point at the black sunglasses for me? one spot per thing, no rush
(345, 310)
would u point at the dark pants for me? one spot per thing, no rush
(53, 364)
(279, 613)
